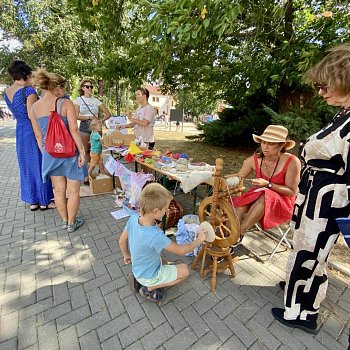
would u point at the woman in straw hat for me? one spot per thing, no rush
(271, 199)
(324, 196)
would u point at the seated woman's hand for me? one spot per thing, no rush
(259, 182)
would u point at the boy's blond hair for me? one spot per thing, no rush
(154, 196)
(94, 122)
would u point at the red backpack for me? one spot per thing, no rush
(59, 142)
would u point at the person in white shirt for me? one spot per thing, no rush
(88, 108)
(143, 120)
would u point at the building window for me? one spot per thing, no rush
(153, 99)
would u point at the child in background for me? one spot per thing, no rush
(96, 147)
(142, 241)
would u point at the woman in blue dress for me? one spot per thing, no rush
(20, 97)
(65, 173)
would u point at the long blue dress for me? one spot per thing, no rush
(29, 156)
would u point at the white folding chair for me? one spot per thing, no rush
(278, 234)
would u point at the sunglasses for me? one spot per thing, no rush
(89, 86)
(322, 87)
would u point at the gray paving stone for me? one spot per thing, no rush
(77, 296)
(113, 327)
(246, 310)
(114, 304)
(90, 341)
(9, 326)
(96, 300)
(56, 311)
(225, 307)
(333, 326)
(134, 333)
(154, 314)
(186, 299)
(68, 339)
(133, 308)
(182, 340)
(309, 341)
(96, 320)
(174, 317)
(113, 344)
(233, 343)
(10, 344)
(72, 318)
(208, 341)
(27, 334)
(240, 330)
(157, 337)
(47, 336)
(329, 342)
(262, 333)
(217, 325)
(205, 303)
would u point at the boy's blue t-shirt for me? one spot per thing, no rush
(145, 246)
(95, 143)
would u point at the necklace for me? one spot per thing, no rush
(262, 161)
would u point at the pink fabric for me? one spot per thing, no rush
(278, 208)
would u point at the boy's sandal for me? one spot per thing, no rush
(156, 295)
(34, 207)
(72, 227)
(135, 286)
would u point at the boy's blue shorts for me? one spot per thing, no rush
(166, 274)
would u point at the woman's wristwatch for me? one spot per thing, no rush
(269, 185)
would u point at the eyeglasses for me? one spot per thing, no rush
(89, 86)
(322, 87)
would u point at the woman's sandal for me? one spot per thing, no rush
(51, 205)
(156, 295)
(72, 227)
(34, 207)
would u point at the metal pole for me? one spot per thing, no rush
(117, 94)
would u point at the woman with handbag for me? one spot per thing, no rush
(88, 108)
(66, 173)
(20, 97)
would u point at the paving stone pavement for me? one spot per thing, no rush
(70, 291)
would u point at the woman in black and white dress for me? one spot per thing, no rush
(324, 195)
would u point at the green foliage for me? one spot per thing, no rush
(235, 126)
(303, 122)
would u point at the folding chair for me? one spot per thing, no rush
(279, 235)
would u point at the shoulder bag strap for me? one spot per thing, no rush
(88, 107)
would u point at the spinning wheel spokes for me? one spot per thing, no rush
(222, 218)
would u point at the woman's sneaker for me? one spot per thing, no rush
(72, 227)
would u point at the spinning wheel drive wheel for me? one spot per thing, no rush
(224, 220)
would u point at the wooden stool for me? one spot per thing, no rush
(214, 252)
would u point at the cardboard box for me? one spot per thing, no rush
(116, 138)
(104, 185)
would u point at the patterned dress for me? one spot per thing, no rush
(278, 208)
(324, 194)
(33, 190)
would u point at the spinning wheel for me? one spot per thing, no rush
(219, 212)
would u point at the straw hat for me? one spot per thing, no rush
(275, 133)
(205, 226)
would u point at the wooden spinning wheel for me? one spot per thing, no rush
(219, 212)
